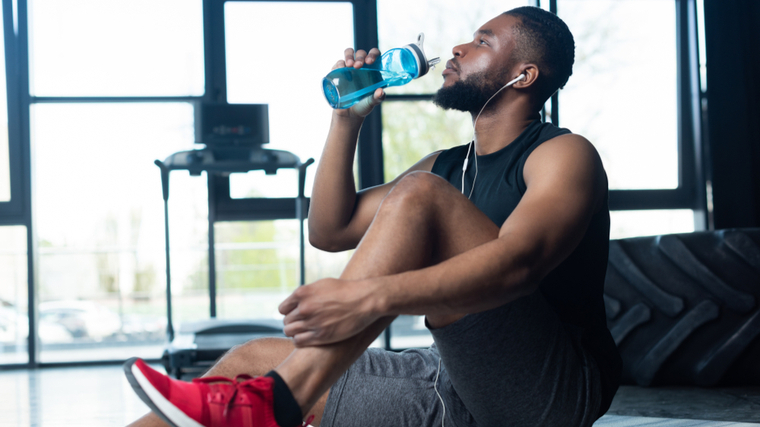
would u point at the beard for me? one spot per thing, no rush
(469, 95)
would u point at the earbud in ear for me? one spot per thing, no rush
(515, 80)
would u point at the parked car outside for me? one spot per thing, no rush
(82, 319)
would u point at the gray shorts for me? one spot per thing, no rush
(516, 365)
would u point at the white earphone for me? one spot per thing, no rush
(472, 143)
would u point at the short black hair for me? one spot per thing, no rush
(544, 39)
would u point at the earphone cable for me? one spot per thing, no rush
(472, 143)
(435, 387)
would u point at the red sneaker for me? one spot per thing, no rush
(210, 401)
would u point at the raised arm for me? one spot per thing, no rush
(338, 214)
(566, 186)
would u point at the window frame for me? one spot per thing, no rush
(690, 193)
(369, 150)
(12, 212)
(19, 210)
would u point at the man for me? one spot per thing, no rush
(506, 260)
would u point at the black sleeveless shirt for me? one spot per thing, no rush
(575, 287)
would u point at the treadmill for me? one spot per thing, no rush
(233, 134)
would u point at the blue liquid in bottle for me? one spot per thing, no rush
(344, 87)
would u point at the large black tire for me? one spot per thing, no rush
(684, 309)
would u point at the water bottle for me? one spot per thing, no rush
(346, 86)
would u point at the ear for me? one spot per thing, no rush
(530, 71)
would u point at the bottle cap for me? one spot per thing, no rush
(423, 64)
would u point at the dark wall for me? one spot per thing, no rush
(732, 31)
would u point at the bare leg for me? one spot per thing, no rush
(423, 221)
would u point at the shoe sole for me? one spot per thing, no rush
(154, 399)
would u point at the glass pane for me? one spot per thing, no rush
(259, 184)
(613, 97)
(14, 323)
(412, 130)
(257, 267)
(100, 227)
(263, 70)
(702, 46)
(116, 47)
(5, 173)
(446, 23)
(650, 222)
(321, 264)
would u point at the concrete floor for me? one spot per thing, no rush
(720, 404)
(101, 397)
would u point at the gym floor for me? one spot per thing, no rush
(100, 396)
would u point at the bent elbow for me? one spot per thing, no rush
(327, 242)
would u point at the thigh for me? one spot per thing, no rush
(517, 365)
(384, 388)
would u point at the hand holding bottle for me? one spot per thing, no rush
(357, 60)
(357, 79)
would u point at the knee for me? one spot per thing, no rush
(421, 189)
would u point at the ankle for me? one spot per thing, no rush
(287, 412)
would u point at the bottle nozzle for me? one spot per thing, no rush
(419, 53)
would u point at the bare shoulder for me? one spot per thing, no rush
(569, 152)
(568, 161)
(568, 145)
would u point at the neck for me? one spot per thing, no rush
(499, 126)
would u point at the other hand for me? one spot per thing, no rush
(357, 59)
(327, 311)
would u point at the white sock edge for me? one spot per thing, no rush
(169, 410)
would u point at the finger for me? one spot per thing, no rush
(372, 55)
(365, 106)
(339, 64)
(293, 316)
(359, 58)
(348, 56)
(290, 303)
(378, 96)
(305, 339)
(295, 328)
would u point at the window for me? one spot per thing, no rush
(283, 69)
(5, 171)
(97, 200)
(412, 130)
(257, 267)
(650, 222)
(445, 24)
(100, 227)
(109, 90)
(628, 112)
(116, 48)
(412, 126)
(615, 98)
(14, 323)
(266, 65)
